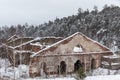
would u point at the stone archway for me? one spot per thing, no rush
(62, 67)
(77, 65)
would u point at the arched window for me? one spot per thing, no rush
(62, 67)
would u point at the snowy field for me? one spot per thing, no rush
(53, 79)
(107, 77)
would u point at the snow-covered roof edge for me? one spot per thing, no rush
(20, 38)
(12, 37)
(68, 38)
(24, 51)
(23, 44)
(53, 45)
(38, 38)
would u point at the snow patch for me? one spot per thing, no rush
(36, 44)
(78, 49)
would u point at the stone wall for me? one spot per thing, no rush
(52, 63)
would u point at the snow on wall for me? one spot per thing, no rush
(77, 49)
(36, 44)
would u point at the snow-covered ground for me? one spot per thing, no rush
(104, 74)
(8, 72)
(97, 74)
(101, 71)
(65, 78)
(22, 73)
(4, 63)
(107, 77)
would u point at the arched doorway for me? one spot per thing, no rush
(77, 65)
(93, 64)
(62, 67)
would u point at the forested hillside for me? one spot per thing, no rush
(102, 26)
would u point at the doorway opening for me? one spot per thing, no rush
(62, 67)
(93, 64)
(77, 65)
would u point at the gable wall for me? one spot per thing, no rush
(65, 48)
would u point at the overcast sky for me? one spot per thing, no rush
(35, 12)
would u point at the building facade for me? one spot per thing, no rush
(67, 55)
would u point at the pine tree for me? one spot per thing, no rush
(80, 74)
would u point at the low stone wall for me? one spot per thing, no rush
(111, 62)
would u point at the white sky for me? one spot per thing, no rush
(35, 12)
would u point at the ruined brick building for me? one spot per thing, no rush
(67, 55)
(55, 55)
(20, 48)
